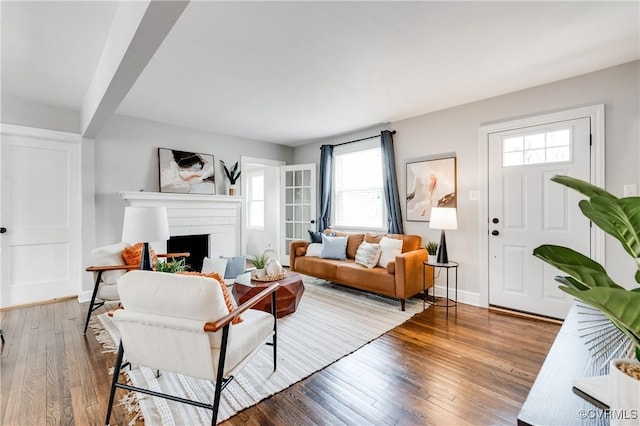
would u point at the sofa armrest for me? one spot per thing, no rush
(293, 248)
(410, 273)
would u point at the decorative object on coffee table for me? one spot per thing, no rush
(287, 296)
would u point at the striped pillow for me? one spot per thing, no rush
(368, 254)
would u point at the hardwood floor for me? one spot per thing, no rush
(474, 368)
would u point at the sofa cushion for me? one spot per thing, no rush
(334, 248)
(353, 241)
(368, 254)
(391, 247)
(318, 267)
(375, 279)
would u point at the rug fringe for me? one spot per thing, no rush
(129, 401)
(102, 336)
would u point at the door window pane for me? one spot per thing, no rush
(537, 148)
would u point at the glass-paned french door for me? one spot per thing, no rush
(299, 204)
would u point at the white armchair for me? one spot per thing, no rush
(109, 267)
(181, 324)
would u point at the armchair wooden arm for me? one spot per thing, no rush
(106, 268)
(215, 326)
(132, 267)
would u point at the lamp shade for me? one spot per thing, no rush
(443, 218)
(145, 224)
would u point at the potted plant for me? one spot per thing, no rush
(588, 280)
(173, 266)
(432, 250)
(233, 175)
(259, 261)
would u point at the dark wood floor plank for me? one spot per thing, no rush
(474, 367)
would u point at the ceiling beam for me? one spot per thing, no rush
(137, 32)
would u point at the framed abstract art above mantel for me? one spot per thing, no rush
(430, 183)
(186, 172)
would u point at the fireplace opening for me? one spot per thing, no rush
(196, 245)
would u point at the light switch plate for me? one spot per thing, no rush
(474, 195)
(631, 190)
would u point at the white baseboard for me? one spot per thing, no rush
(464, 296)
(85, 296)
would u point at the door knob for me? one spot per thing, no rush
(3, 230)
(495, 232)
(495, 220)
(313, 221)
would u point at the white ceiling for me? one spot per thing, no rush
(291, 72)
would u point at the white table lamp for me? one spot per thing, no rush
(443, 218)
(145, 224)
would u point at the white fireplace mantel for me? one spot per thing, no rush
(218, 216)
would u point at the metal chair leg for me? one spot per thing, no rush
(274, 311)
(116, 373)
(93, 301)
(220, 375)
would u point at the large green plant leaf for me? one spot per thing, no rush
(618, 217)
(622, 307)
(586, 271)
(581, 186)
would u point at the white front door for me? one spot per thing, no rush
(299, 205)
(527, 209)
(40, 210)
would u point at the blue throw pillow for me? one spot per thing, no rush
(315, 237)
(235, 266)
(334, 248)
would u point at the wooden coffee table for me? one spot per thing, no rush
(287, 296)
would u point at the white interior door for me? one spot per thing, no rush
(299, 205)
(40, 210)
(527, 209)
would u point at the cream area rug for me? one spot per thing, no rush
(330, 322)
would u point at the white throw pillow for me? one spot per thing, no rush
(391, 247)
(368, 254)
(216, 265)
(314, 250)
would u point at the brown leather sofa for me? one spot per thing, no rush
(401, 279)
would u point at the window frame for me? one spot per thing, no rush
(373, 143)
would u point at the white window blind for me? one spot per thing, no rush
(358, 194)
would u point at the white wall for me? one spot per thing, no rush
(456, 130)
(127, 160)
(30, 114)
